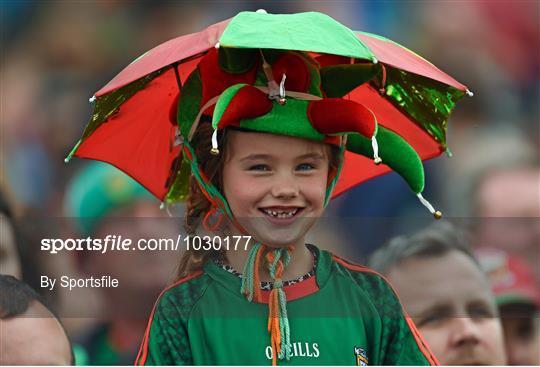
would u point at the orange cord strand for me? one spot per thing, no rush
(273, 325)
(273, 315)
(256, 277)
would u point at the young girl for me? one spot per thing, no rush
(265, 167)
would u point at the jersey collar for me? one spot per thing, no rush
(293, 291)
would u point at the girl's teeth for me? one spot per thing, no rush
(281, 214)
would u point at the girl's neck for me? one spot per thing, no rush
(301, 263)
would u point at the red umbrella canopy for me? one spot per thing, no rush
(134, 125)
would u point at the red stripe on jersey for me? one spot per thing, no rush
(295, 291)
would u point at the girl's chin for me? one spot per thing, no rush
(276, 239)
(279, 244)
(277, 236)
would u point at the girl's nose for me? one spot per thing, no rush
(285, 186)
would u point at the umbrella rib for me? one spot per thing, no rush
(177, 75)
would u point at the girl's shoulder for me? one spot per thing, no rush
(354, 268)
(367, 279)
(330, 263)
(183, 294)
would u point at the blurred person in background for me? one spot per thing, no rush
(444, 290)
(507, 204)
(518, 298)
(537, 323)
(10, 261)
(17, 257)
(497, 193)
(104, 201)
(30, 332)
(498, 188)
(481, 152)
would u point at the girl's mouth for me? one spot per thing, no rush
(281, 215)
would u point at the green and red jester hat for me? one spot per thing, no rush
(290, 93)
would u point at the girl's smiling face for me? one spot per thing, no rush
(275, 185)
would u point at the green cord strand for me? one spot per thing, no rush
(284, 327)
(249, 269)
(272, 267)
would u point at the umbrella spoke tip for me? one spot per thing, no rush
(469, 93)
(262, 11)
(165, 206)
(92, 99)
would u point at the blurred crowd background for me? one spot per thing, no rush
(56, 54)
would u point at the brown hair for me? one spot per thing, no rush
(197, 205)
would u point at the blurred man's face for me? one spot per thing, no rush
(508, 206)
(520, 335)
(450, 302)
(508, 201)
(33, 338)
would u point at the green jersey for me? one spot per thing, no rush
(344, 315)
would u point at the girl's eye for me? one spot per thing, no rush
(305, 167)
(259, 167)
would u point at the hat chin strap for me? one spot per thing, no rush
(210, 102)
(333, 182)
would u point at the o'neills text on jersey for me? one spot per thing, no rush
(299, 349)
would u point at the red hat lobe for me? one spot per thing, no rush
(337, 116)
(248, 102)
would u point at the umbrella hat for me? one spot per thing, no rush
(134, 125)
